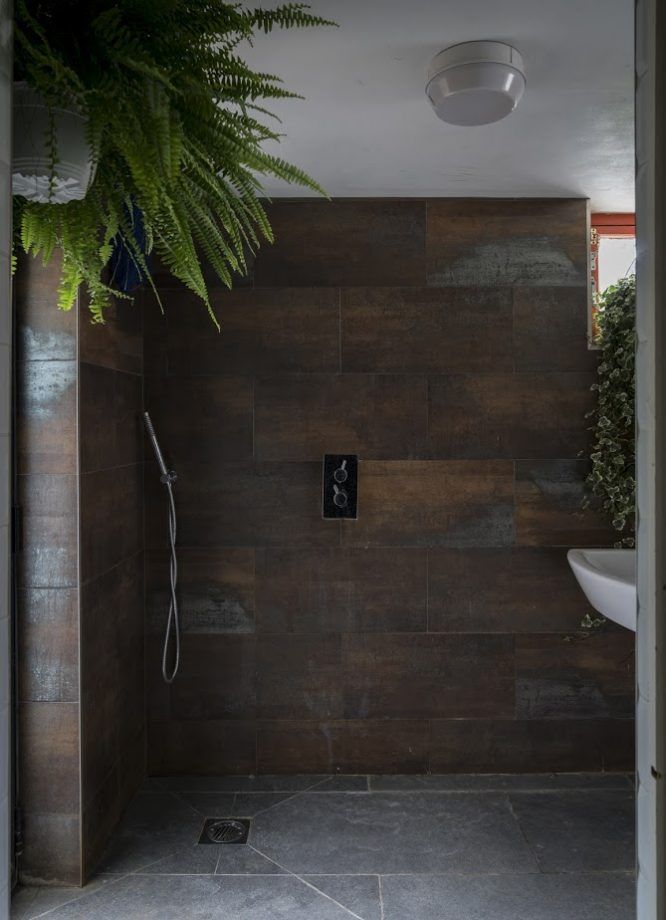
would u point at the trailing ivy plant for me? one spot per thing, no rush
(176, 123)
(612, 479)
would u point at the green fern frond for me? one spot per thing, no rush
(176, 127)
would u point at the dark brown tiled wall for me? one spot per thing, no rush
(112, 571)
(445, 343)
(81, 576)
(49, 701)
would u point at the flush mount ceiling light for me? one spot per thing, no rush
(476, 83)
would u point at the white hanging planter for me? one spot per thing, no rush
(33, 174)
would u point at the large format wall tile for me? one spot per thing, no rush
(300, 677)
(560, 677)
(215, 590)
(47, 434)
(507, 241)
(110, 418)
(302, 418)
(343, 243)
(341, 590)
(550, 329)
(118, 342)
(444, 342)
(275, 331)
(423, 330)
(509, 415)
(531, 746)
(244, 505)
(216, 679)
(111, 518)
(208, 419)
(428, 676)
(433, 503)
(206, 748)
(49, 551)
(503, 590)
(550, 496)
(48, 644)
(395, 746)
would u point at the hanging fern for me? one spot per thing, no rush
(613, 476)
(174, 122)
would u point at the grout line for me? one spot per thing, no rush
(340, 329)
(308, 884)
(427, 579)
(79, 897)
(381, 897)
(289, 798)
(533, 850)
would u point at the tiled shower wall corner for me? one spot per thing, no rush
(444, 341)
(81, 575)
(113, 751)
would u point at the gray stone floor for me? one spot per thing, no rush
(547, 847)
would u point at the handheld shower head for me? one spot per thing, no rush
(156, 447)
(169, 670)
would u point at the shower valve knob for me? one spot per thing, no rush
(340, 486)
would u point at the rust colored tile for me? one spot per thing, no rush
(549, 512)
(510, 415)
(158, 698)
(433, 503)
(51, 851)
(299, 677)
(273, 331)
(216, 590)
(45, 333)
(49, 644)
(209, 418)
(203, 748)
(243, 505)
(425, 330)
(47, 417)
(491, 746)
(503, 590)
(588, 677)
(506, 241)
(341, 590)
(112, 668)
(364, 746)
(343, 242)
(111, 518)
(50, 757)
(550, 330)
(216, 680)
(49, 552)
(428, 676)
(118, 342)
(110, 404)
(302, 418)
(106, 805)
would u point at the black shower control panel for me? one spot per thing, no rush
(340, 486)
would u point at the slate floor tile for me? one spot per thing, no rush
(504, 897)
(359, 893)
(144, 897)
(579, 831)
(388, 832)
(499, 782)
(155, 826)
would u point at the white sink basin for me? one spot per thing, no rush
(608, 580)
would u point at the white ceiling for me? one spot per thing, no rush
(366, 128)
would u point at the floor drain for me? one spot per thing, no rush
(225, 830)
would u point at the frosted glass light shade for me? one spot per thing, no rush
(476, 83)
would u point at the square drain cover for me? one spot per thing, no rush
(225, 830)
